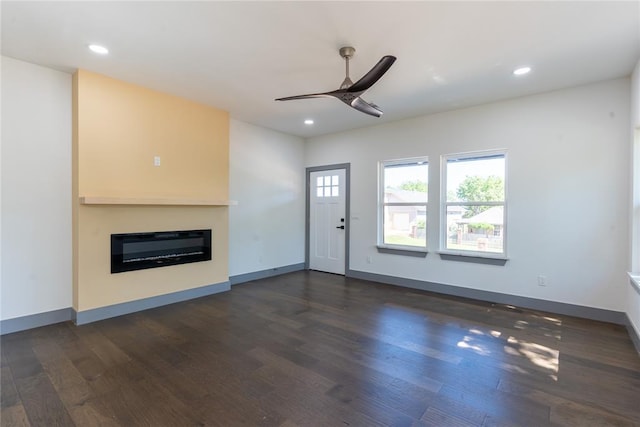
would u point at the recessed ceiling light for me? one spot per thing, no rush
(308, 122)
(98, 49)
(521, 71)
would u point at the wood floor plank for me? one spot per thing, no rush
(86, 361)
(380, 366)
(499, 405)
(573, 413)
(386, 337)
(357, 382)
(565, 411)
(73, 390)
(287, 367)
(437, 418)
(210, 388)
(37, 395)
(14, 416)
(106, 351)
(8, 393)
(316, 409)
(315, 349)
(41, 402)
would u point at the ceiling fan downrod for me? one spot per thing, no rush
(347, 52)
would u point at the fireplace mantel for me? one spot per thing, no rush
(153, 201)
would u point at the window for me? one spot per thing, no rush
(474, 194)
(403, 204)
(328, 186)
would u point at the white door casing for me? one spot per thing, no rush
(327, 220)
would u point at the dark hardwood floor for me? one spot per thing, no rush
(314, 349)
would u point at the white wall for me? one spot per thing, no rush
(36, 189)
(568, 187)
(266, 177)
(634, 263)
(635, 97)
(633, 295)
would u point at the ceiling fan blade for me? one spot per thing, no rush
(365, 107)
(373, 75)
(308, 96)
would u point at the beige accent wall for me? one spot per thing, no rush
(118, 130)
(122, 127)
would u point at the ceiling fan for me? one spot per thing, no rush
(350, 92)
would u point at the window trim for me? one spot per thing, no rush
(463, 254)
(391, 248)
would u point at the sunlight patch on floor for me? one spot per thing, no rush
(470, 343)
(538, 354)
(548, 325)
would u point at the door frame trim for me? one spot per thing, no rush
(347, 207)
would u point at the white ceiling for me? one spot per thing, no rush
(239, 56)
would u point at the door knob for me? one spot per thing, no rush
(341, 227)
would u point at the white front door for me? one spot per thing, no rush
(327, 221)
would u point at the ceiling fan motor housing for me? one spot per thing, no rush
(347, 51)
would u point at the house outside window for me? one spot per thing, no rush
(402, 217)
(474, 194)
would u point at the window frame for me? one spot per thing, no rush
(397, 248)
(444, 204)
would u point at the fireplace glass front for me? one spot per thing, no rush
(137, 251)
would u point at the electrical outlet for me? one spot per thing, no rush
(156, 161)
(542, 280)
(369, 259)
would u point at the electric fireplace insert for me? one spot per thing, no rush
(137, 251)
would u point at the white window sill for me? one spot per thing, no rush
(474, 257)
(635, 280)
(402, 250)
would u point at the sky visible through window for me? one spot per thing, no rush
(394, 177)
(456, 171)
